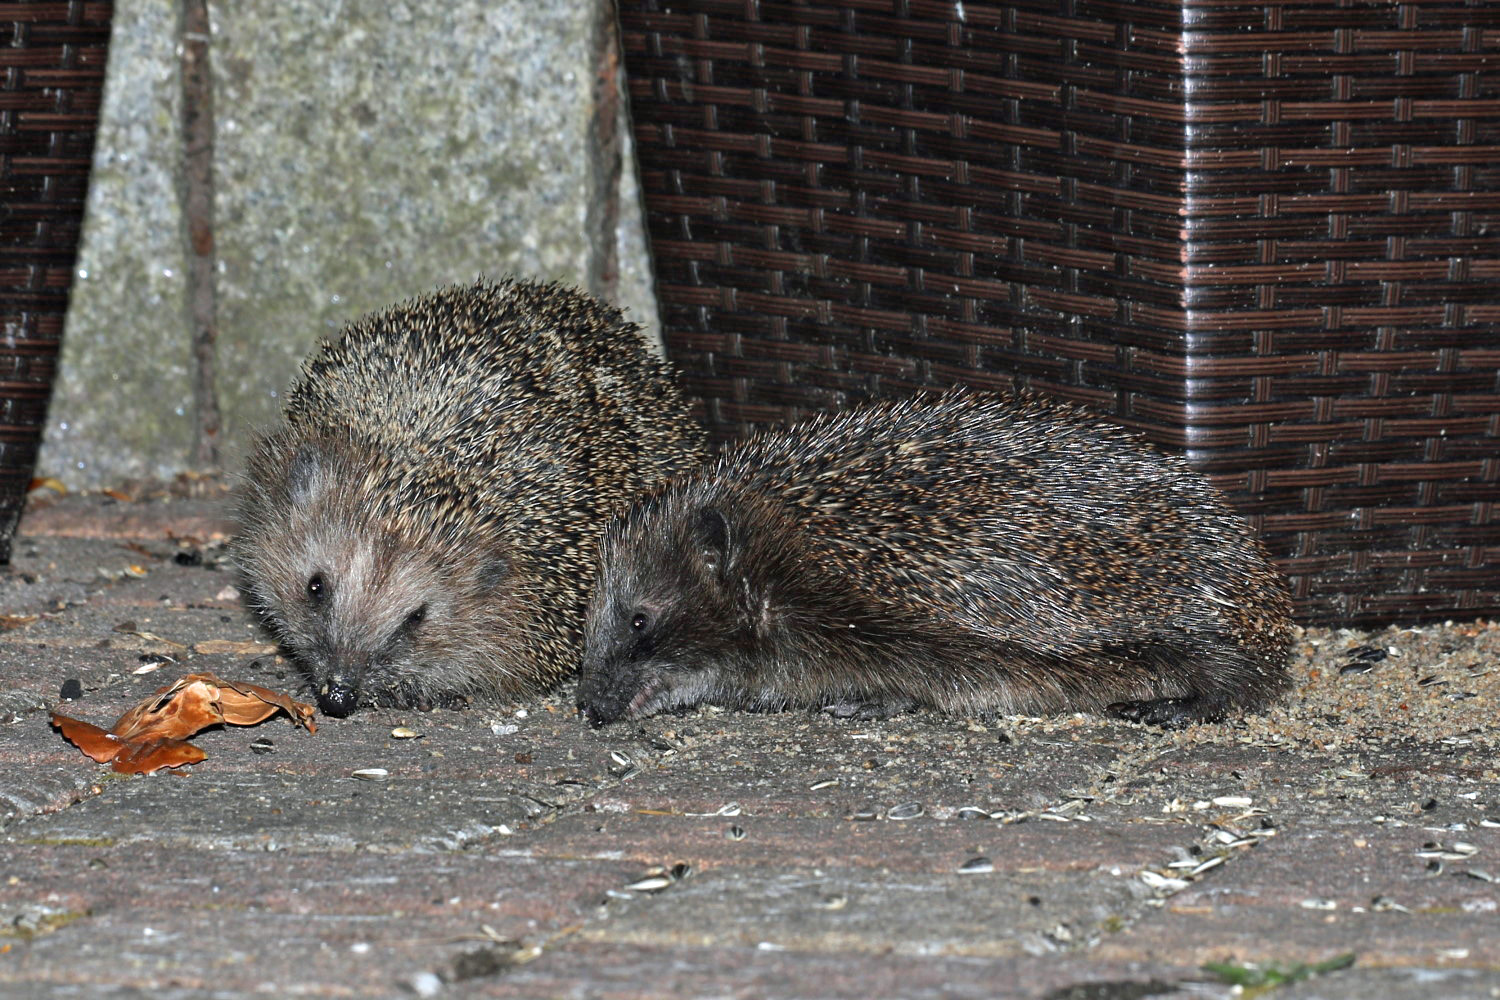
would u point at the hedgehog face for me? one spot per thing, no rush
(668, 625)
(371, 617)
(353, 612)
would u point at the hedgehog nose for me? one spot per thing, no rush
(337, 699)
(591, 715)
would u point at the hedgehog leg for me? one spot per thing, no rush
(1208, 674)
(1171, 713)
(869, 708)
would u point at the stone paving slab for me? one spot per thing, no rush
(514, 852)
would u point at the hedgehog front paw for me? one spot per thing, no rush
(868, 709)
(1169, 713)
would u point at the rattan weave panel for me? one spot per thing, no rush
(51, 79)
(1264, 233)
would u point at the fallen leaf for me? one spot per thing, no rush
(119, 495)
(247, 648)
(153, 734)
(49, 483)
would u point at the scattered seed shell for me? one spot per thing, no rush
(651, 883)
(907, 810)
(1232, 801)
(1161, 882)
(735, 833)
(822, 783)
(402, 733)
(371, 774)
(1212, 862)
(976, 866)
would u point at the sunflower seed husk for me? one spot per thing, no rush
(907, 810)
(651, 883)
(976, 866)
(370, 774)
(1232, 801)
(1162, 882)
(1213, 862)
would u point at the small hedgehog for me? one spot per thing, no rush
(972, 553)
(421, 529)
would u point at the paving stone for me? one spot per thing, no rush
(622, 972)
(279, 873)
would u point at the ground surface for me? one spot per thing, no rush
(513, 852)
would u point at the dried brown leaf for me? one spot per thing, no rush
(153, 733)
(93, 741)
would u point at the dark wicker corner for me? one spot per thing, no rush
(1263, 233)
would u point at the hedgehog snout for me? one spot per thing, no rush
(599, 704)
(337, 697)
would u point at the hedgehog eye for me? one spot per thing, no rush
(639, 621)
(317, 589)
(416, 617)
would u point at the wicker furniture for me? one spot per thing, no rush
(52, 59)
(1263, 233)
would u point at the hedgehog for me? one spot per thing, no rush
(973, 553)
(419, 530)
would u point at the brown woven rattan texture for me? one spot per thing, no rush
(51, 77)
(1263, 233)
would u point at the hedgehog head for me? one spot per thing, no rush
(682, 611)
(373, 599)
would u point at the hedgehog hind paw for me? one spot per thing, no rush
(1169, 713)
(867, 709)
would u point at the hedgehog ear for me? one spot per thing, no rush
(303, 475)
(492, 572)
(713, 538)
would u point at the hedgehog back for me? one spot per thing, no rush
(1003, 515)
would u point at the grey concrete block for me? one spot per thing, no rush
(364, 153)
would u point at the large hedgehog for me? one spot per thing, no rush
(421, 528)
(974, 553)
